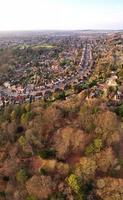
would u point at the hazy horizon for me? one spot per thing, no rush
(60, 15)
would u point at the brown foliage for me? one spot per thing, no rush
(110, 188)
(40, 186)
(106, 123)
(69, 140)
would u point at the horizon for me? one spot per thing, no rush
(59, 30)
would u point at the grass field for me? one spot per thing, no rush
(47, 46)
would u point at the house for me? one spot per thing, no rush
(6, 84)
(19, 99)
(112, 81)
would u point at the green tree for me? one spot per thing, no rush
(22, 140)
(95, 147)
(119, 110)
(74, 182)
(31, 198)
(21, 176)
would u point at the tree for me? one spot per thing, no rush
(94, 147)
(109, 188)
(76, 185)
(27, 107)
(87, 119)
(74, 182)
(93, 83)
(31, 198)
(119, 110)
(86, 167)
(48, 96)
(65, 142)
(13, 115)
(105, 159)
(110, 124)
(79, 87)
(58, 196)
(22, 176)
(59, 94)
(47, 153)
(22, 140)
(40, 186)
(25, 117)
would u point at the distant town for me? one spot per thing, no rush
(41, 64)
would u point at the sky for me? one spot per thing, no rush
(60, 14)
